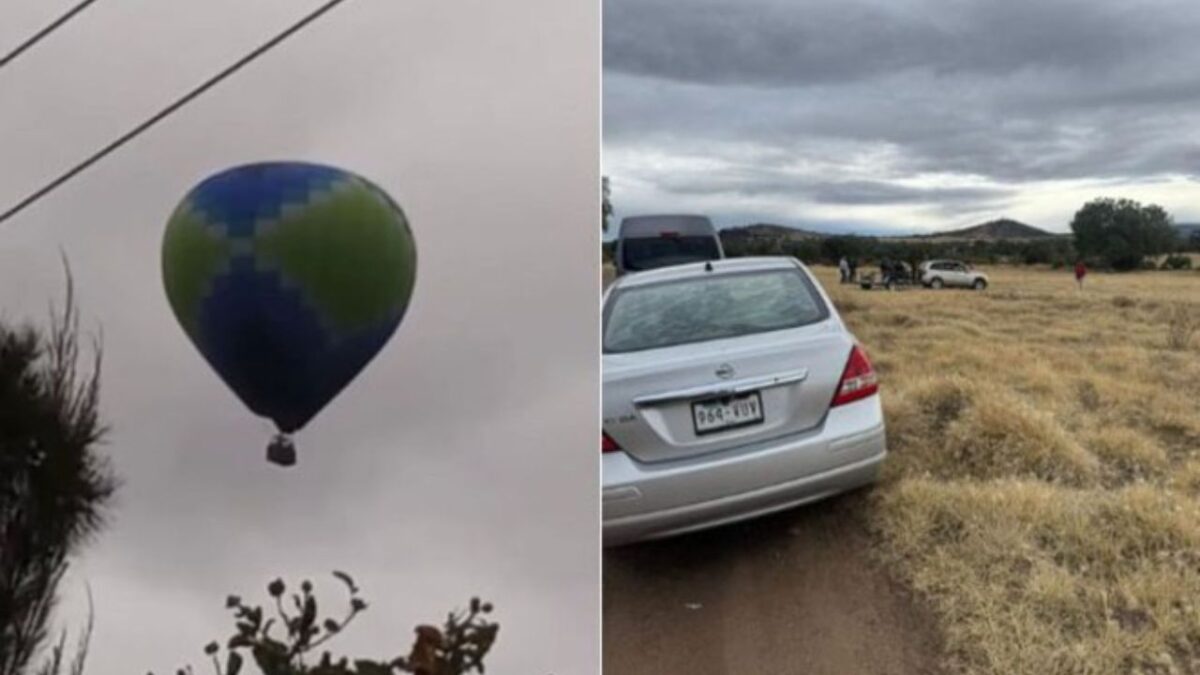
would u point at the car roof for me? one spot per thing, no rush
(698, 269)
(652, 225)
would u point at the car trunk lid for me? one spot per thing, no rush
(692, 399)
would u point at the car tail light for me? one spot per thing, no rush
(669, 235)
(607, 444)
(858, 380)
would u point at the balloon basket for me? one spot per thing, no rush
(281, 451)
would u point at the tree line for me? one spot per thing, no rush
(1106, 233)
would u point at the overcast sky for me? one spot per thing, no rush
(462, 461)
(900, 115)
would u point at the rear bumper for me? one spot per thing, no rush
(649, 501)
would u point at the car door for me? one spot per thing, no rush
(938, 270)
(955, 275)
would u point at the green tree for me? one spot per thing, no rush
(53, 485)
(1121, 232)
(835, 247)
(606, 207)
(805, 250)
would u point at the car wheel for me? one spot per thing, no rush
(979, 284)
(936, 283)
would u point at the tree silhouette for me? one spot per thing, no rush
(606, 207)
(53, 484)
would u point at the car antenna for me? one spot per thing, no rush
(708, 266)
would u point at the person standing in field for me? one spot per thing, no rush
(844, 268)
(885, 271)
(1080, 273)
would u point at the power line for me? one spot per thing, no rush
(37, 37)
(165, 112)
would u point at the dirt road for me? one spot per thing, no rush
(792, 593)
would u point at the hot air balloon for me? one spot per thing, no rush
(288, 278)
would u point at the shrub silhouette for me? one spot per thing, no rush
(282, 642)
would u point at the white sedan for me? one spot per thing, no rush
(732, 389)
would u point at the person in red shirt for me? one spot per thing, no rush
(1080, 273)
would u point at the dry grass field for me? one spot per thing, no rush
(1043, 492)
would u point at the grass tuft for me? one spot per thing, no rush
(1183, 320)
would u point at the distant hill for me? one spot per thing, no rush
(1187, 230)
(769, 231)
(993, 230)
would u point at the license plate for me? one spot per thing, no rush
(727, 413)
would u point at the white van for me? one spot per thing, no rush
(650, 242)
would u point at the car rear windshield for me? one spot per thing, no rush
(643, 253)
(709, 307)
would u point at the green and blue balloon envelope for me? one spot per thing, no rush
(289, 278)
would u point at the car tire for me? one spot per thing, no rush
(979, 284)
(936, 283)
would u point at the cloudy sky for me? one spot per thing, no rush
(462, 460)
(900, 115)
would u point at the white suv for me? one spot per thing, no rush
(942, 273)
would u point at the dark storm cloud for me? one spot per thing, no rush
(781, 43)
(1015, 93)
(877, 192)
(848, 192)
